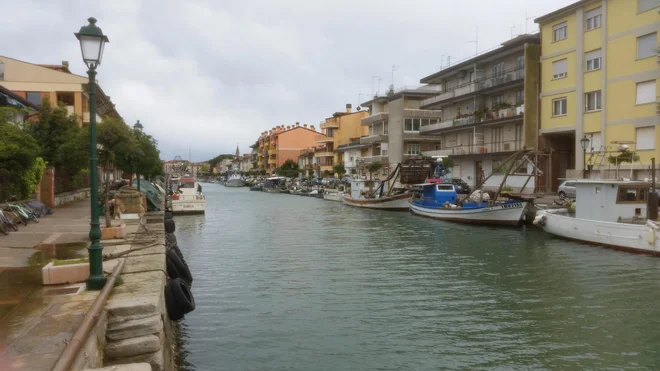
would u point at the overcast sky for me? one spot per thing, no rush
(207, 75)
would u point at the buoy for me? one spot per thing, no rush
(650, 236)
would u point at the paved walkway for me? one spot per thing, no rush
(36, 322)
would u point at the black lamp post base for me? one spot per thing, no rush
(96, 282)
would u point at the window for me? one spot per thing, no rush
(560, 31)
(596, 142)
(385, 124)
(645, 138)
(498, 69)
(414, 149)
(592, 101)
(520, 96)
(560, 68)
(34, 97)
(412, 124)
(646, 45)
(645, 92)
(559, 107)
(644, 5)
(593, 59)
(2, 71)
(594, 18)
(496, 100)
(631, 195)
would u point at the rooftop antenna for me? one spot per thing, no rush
(512, 29)
(394, 66)
(476, 42)
(526, 20)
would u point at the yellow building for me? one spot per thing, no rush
(37, 82)
(599, 81)
(342, 131)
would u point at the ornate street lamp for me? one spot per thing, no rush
(138, 127)
(584, 142)
(92, 42)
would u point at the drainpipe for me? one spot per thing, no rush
(72, 349)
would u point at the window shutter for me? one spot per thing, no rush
(596, 142)
(559, 67)
(645, 92)
(646, 45)
(593, 54)
(644, 5)
(593, 12)
(556, 27)
(645, 138)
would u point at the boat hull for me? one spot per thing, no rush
(333, 196)
(621, 236)
(398, 202)
(188, 207)
(510, 214)
(235, 183)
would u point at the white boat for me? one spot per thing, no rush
(441, 201)
(363, 196)
(235, 180)
(610, 213)
(334, 194)
(187, 200)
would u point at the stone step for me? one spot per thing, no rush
(154, 359)
(132, 347)
(134, 328)
(124, 367)
(134, 307)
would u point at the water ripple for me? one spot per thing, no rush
(294, 283)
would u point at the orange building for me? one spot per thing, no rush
(283, 143)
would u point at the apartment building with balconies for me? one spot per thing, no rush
(600, 72)
(489, 109)
(283, 143)
(339, 131)
(394, 125)
(37, 82)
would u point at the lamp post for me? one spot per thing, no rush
(92, 42)
(138, 127)
(584, 142)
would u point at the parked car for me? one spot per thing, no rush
(566, 189)
(317, 181)
(461, 186)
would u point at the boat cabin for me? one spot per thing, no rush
(611, 200)
(435, 194)
(186, 182)
(360, 187)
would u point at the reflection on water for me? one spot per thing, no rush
(19, 281)
(296, 283)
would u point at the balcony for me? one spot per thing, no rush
(371, 159)
(422, 113)
(509, 77)
(272, 161)
(496, 117)
(477, 149)
(418, 137)
(272, 151)
(374, 139)
(324, 154)
(260, 163)
(438, 126)
(323, 139)
(382, 116)
(327, 168)
(330, 125)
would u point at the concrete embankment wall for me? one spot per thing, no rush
(134, 326)
(73, 196)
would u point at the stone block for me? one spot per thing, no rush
(145, 263)
(132, 347)
(155, 360)
(124, 367)
(135, 306)
(113, 232)
(157, 249)
(134, 328)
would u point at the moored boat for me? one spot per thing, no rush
(362, 195)
(334, 194)
(441, 201)
(187, 199)
(610, 213)
(235, 180)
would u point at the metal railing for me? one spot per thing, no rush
(483, 148)
(323, 138)
(493, 80)
(374, 139)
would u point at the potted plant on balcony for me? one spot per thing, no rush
(520, 108)
(482, 113)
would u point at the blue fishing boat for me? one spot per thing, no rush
(441, 201)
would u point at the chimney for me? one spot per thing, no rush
(297, 124)
(312, 127)
(348, 107)
(304, 125)
(65, 64)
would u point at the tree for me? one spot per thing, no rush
(217, 159)
(53, 129)
(21, 168)
(339, 169)
(144, 157)
(625, 156)
(326, 173)
(114, 138)
(289, 169)
(373, 168)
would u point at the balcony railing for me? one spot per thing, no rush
(324, 154)
(272, 161)
(374, 139)
(407, 135)
(484, 148)
(382, 116)
(494, 80)
(323, 139)
(421, 113)
(371, 159)
(327, 168)
(329, 125)
(272, 151)
(438, 126)
(498, 115)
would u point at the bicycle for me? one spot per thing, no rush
(7, 223)
(24, 214)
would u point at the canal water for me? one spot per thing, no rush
(295, 283)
